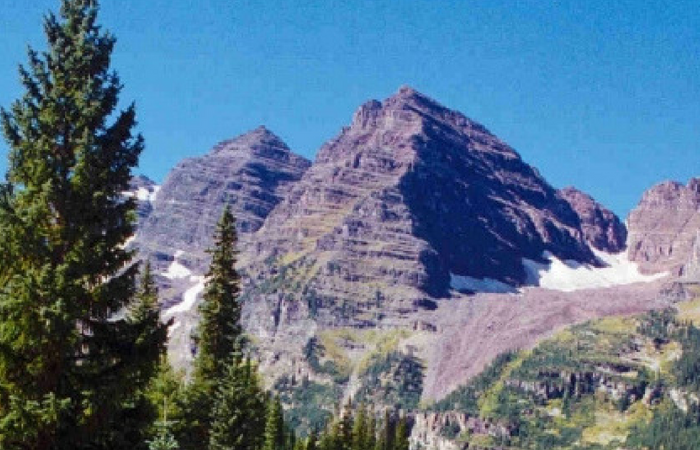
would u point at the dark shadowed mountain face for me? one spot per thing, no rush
(602, 229)
(408, 195)
(664, 226)
(251, 173)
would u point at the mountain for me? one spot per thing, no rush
(602, 229)
(145, 191)
(664, 226)
(407, 200)
(251, 173)
(415, 249)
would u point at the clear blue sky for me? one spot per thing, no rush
(597, 94)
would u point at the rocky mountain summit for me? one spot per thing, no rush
(602, 229)
(405, 199)
(663, 227)
(398, 264)
(251, 173)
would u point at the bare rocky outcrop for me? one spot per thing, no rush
(144, 190)
(448, 430)
(602, 229)
(663, 227)
(251, 173)
(410, 193)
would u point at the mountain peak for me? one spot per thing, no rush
(602, 229)
(407, 91)
(256, 139)
(406, 95)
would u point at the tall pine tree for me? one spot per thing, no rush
(219, 337)
(274, 426)
(238, 413)
(219, 333)
(69, 365)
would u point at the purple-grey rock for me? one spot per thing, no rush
(251, 173)
(602, 229)
(664, 226)
(408, 194)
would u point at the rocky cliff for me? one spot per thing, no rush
(602, 229)
(251, 173)
(144, 190)
(407, 197)
(664, 226)
(360, 271)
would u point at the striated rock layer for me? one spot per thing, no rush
(602, 229)
(664, 226)
(406, 196)
(250, 173)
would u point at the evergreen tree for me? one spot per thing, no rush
(360, 430)
(150, 334)
(345, 428)
(238, 417)
(220, 332)
(274, 427)
(371, 439)
(402, 433)
(70, 366)
(312, 441)
(164, 438)
(165, 394)
(387, 436)
(219, 336)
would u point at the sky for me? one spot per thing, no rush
(601, 95)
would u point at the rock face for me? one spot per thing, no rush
(664, 226)
(602, 229)
(144, 190)
(691, 269)
(406, 196)
(250, 173)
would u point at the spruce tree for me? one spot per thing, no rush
(220, 332)
(371, 440)
(70, 364)
(238, 415)
(360, 430)
(274, 427)
(401, 441)
(219, 336)
(312, 441)
(164, 439)
(150, 334)
(345, 428)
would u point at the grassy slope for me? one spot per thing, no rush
(532, 391)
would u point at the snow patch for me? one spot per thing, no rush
(189, 297)
(143, 194)
(173, 327)
(568, 275)
(177, 271)
(489, 285)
